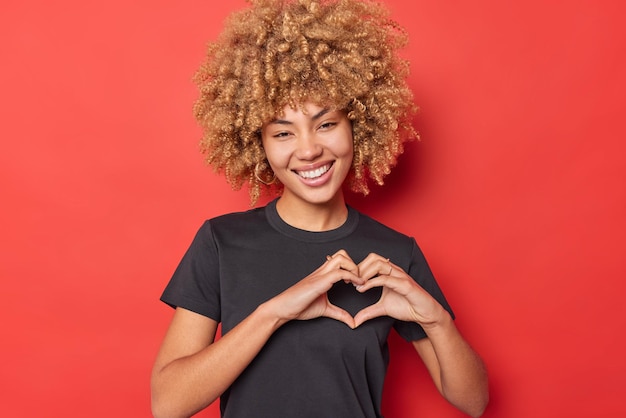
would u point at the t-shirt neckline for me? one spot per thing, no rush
(311, 236)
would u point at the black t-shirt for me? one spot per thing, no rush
(315, 368)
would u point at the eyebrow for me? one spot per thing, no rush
(314, 117)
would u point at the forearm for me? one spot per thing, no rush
(189, 384)
(463, 378)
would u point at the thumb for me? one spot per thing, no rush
(339, 314)
(373, 311)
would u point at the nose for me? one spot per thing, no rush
(308, 148)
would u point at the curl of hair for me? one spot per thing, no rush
(336, 53)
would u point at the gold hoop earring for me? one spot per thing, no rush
(266, 182)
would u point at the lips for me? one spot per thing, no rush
(315, 173)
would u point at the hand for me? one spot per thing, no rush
(401, 297)
(308, 298)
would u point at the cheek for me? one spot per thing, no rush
(276, 155)
(348, 148)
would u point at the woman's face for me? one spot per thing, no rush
(310, 153)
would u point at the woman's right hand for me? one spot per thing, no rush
(308, 298)
(191, 370)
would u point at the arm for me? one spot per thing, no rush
(456, 369)
(191, 370)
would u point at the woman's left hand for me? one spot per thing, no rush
(457, 371)
(402, 298)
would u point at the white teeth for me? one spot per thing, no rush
(314, 173)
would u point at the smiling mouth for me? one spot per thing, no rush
(312, 174)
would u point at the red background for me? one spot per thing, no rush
(515, 193)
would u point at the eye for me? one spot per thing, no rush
(327, 125)
(282, 134)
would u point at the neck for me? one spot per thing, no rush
(313, 216)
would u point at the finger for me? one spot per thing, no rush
(329, 258)
(336, 275)
(341, 260)
(375, 265)
(323, 279)
(370, 284)
(370, 259)
(342, 253)
(397, 284)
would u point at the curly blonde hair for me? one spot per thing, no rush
(336, 53)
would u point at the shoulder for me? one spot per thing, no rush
(369, 225)
(235, 225)
(254, 215)
(372, 236)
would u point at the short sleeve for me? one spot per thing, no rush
(421, 273)
(195, 283)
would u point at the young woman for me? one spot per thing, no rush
(300, 97)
